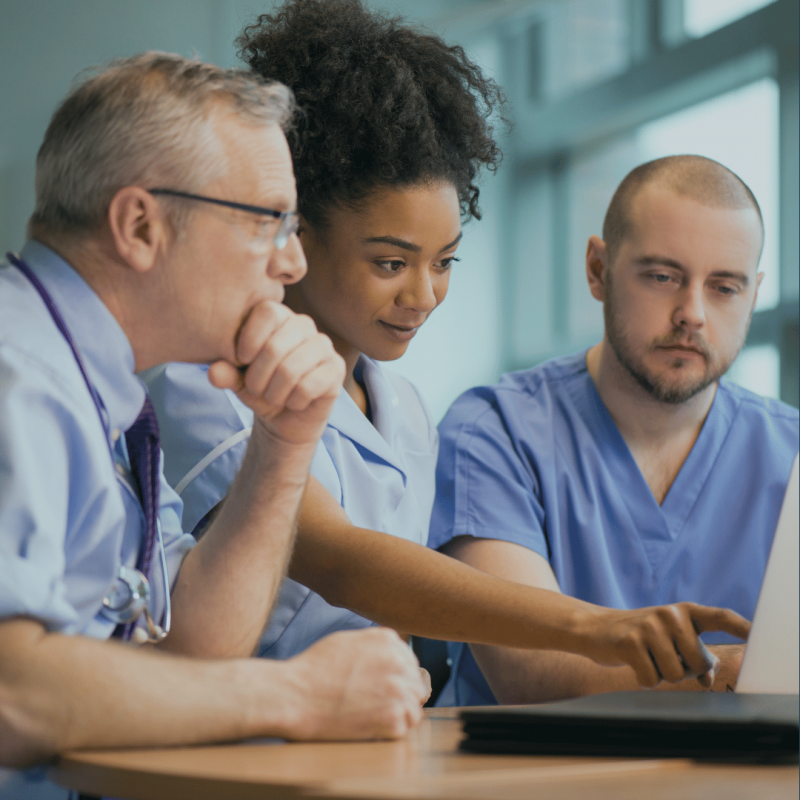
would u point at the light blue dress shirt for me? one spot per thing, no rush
(382, 474)
(537, 460)
(69, 515)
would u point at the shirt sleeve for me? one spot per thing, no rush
(41, 443)
(485, 485)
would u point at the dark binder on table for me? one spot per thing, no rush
(711, 726)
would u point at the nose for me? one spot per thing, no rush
(288, 265)
(690, 312)
(418, 291)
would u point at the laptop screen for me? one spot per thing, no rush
(770, 663)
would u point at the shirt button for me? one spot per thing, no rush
(121, 470)
(115, 435)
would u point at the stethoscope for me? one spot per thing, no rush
(129, 595)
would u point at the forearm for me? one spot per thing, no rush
(398, 583)
(64, 692)
(228, 582)
(529, 676)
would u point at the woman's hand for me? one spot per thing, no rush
(660, 643)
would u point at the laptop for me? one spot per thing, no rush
(772, 657)
(757, 723)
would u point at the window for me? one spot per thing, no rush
(740, 130)
(704, 16)
(758, 369)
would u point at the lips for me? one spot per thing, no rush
(682, 350)
(401, 333)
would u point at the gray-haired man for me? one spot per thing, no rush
(163, 230)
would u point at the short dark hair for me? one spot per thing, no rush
(698, 177)
(383, 104)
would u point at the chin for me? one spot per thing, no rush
(386, 353)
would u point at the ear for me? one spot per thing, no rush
(759, 278)
(596, 266)
(137, 226)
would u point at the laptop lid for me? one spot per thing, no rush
(770, 663)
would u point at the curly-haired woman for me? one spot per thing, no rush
(394, 128)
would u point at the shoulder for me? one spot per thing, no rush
(525, 397)
(26, 326)
(181, 392)
(34, 356)
(764, 428)
(204, 433)
(405, 398)
(754, 408)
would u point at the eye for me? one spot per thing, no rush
(726, 290)
(265, 223)
(390, 265)
(446, 263)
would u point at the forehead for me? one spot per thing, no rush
(259, 165)
(427, 208)
(665, 223)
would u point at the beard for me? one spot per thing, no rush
(677, 384)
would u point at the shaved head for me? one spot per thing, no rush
(697, 177)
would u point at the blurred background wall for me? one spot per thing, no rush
(596, 87)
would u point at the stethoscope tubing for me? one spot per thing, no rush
(52, 308)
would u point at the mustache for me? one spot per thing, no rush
(679, 338)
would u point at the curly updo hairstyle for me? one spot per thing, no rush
(382, 104)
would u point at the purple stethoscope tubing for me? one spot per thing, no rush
(62, 326)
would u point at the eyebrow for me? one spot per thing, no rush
(404, 245)
(646, 261)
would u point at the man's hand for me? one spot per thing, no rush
(358, 685)
(288, 373)
(662, 643)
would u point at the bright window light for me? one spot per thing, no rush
(758, 369)
(703, 16)
(740, 130)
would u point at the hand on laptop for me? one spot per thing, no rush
(661, 643)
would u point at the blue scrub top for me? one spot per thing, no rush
(382, 474)
(537, 460)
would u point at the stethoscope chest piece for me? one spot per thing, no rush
(127, 597)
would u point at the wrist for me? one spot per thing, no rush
(583, 621)
(269, 452)
(287, 713)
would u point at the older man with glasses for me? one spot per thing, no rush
(121, 274)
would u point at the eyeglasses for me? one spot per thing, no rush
(289, 220)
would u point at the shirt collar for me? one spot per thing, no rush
(106, 352)
(346, 416)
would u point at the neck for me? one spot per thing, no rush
(639, 416)
(108, 278)
(659, 435)
(294, 300)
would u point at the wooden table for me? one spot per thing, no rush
(427, 764)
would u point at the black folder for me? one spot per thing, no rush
(709, 726)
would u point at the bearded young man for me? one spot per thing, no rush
(630, 474)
